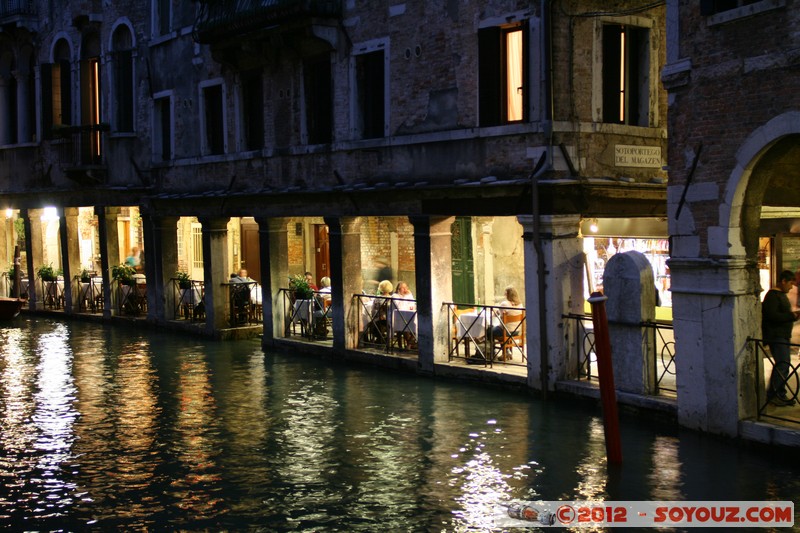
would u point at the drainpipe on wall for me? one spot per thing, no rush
(547, 99)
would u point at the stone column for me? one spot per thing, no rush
(70, 255)
(107, 224)
(33, 225)
(274, 249)
(6, 248)
(715, 309)
(629, 284)
(216, 272)
(162, 254)
(23, 107)
(559, 292)
(346, 280)
(5, 119)
(434, 279)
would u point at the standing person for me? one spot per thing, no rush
(777, 321)
(133, 259)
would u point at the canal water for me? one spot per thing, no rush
(106, 428)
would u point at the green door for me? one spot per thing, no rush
(463, 273)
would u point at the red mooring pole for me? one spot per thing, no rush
(605, 371)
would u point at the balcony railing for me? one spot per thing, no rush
(10, 8)
(222, 18)
(82, 152)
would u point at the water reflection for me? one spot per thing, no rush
(108, 429)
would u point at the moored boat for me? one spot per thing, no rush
(10, 307)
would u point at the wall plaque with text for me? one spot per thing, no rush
(627, 155)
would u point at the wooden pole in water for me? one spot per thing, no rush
(605, 371)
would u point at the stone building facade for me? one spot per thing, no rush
(732, 79)
(392, 128)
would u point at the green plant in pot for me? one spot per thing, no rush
(300, 287)
(184, 281)
(85, 276)
(123, 274)
(47, 273)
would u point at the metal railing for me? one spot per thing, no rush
(245, 303)
(663, 355)
(90, 294)
(785, 375)
(480, 336)
(189, 300)
(308, 318)
(132, 298)
(52, 293)
(386, 323)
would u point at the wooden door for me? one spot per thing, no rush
(462, 262)
(322, 252)
(251, 258)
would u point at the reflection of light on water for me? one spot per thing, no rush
(592, 469)
(665, 478)
(55, 415)
(483, 484)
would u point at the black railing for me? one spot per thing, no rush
(663, 356)
(387, 323)
(52, 293)
(245, 303)
(90, 294)
(10, 8)
(781, 376)
(189, 298)
(132, 298)
(82, 147)
(308, 318)
(217, 18)
(486, 335)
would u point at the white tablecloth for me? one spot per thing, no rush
(303, 310)
(191, 296)
(403, 320)
(472, 323)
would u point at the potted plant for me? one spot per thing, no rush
(47, 273)
(300, 288)
(184, 281)
(123, 274)
(85, 276)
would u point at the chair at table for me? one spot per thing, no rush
(454, 331)
(511, 337)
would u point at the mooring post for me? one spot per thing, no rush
(605, 371)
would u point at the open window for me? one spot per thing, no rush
(626, 74)
(502, 74)
(162, 127)
(252, 106)
(213, 119)
(370, 93)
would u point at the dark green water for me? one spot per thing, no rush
(115, 429)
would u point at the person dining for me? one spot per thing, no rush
(405, 300)
(511, 306)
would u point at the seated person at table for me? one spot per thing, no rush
(310, 280)
(240, 295)
(404, 293)
(321, 312)
(512, 300)
(379, 325)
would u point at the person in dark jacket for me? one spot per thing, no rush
(777, 321)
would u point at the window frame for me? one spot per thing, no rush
(648, 97)
(206, 148)
(158, 134)
(356, 112)
(492, 69)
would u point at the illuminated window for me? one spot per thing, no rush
(502, 84)
(90, 99)
(626, 79)
(56, 90)
(197, 247)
